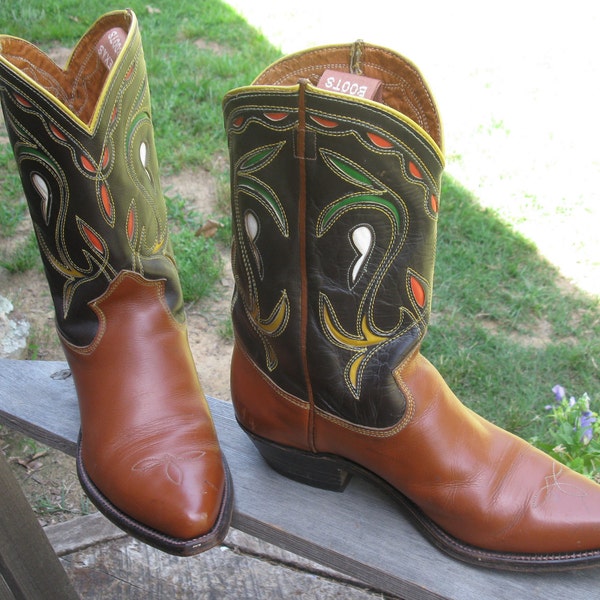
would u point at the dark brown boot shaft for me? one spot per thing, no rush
(335, 201)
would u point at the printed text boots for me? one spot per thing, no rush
(83, 140)
(335, 197)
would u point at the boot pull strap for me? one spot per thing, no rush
(356, 53)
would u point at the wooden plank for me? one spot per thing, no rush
(127, 569)
(67, 537)
(38, 399)
(5, 593)
(360, 532)
(28, 565)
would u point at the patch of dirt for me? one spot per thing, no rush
(207, 317)
(538, 336)
(217, 49)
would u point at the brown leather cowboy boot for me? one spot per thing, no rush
(336, 162)
(82, 137)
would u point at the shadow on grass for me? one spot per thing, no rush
(506, 326)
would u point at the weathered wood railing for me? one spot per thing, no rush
(359, 532)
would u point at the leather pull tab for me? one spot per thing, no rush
(110, 46)
(305, 142)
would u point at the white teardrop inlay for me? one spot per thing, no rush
(251, 225)
(143, 153)
(144, 159)
(42, 188)
(362, 239)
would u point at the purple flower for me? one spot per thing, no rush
(559, 392)
(585, 423)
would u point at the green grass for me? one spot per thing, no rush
(24, 256)
(505, 328)
(12, 202)
(198, 262)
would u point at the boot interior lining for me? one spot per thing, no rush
(404, 89)
(78, 86)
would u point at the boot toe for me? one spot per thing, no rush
(566, 512)
(171, 489)
(178, 494)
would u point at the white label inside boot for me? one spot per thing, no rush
(351, 84)
(110, 45)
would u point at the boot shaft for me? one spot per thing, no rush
(334, 203)
(84, 146)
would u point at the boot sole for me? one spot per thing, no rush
(333, 473)
(152, 537)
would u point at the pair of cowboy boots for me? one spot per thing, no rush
(336, 162)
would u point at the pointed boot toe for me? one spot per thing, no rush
(337, 159)
(169, 490)
(488, 495)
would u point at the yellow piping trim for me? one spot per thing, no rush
(273, 89)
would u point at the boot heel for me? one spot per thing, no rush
(316, 470)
